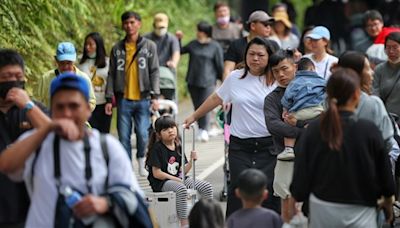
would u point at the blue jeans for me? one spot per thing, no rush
(139, 112)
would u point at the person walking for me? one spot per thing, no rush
(342, 166)
(205, 67)
(134, 80)
(95, 63)
(250, 141)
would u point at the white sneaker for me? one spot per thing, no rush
(142, 167)
(204, 136)
(215, 131)
(286, 155)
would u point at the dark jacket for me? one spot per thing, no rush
(148, 69)
(273, 118)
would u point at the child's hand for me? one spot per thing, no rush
(193, 155)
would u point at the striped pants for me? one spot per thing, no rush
(204, 188)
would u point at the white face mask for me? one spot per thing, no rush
(160, 31)
(223, 20)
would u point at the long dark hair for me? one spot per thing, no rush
(341, 86)
(100, 50)
(303, 34)
(162, 123)
(206, 213)
(259, 41)
(356, 61)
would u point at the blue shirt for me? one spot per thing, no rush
(305, 91)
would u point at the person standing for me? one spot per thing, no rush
(18, 114)
(224, 31)
(167, 44)
(386, 84)
(65, 59)
(94, 63)
(250, 141)
(205, 67)
(134, 79)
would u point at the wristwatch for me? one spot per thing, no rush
(29, 105)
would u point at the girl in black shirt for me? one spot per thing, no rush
(164, 164)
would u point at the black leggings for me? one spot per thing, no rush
(251, 153)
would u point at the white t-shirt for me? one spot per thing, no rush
(72, 165)
(323, 67)
(98, 77)
(247, 97)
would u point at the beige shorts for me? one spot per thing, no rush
(283, 178)
(308, 113)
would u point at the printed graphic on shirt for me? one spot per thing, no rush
(173, 166)
(97, 81)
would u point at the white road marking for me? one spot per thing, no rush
(203, 175)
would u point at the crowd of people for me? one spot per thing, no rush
(313, 133)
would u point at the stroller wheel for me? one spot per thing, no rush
(223, 196)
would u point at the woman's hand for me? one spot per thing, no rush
(188, 121)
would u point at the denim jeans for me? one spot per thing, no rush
(139, 113)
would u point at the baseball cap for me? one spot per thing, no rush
(66, 52)
(283, 17)
(260, 16)
(160, 20)
(70, 80)
(319, 32)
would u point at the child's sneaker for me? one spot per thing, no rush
(286, 155)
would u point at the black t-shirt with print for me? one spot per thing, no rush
(169, 161)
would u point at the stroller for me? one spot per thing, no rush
(168, 84)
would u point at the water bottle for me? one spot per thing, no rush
(72, 198)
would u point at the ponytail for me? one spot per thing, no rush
(341, 87)
(152, 140)
(331, 127)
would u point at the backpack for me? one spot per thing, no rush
(127, 207)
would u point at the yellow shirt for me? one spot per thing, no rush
(132, 89)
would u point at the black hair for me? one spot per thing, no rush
(205, 27)
(258, 41)
(100, 50)
(277, 5)
(303, 34)
(393, 36)
(281, 55)
(162, 123)
(218, 5)
(128, 14)
(341, 86)
(305, 64)
(206, 213)
(252, 184)
(372, 15)
(355, 61)
(11, 57)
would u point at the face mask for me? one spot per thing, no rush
(223, 20)
(160, 31)
(92, 56)
(6, 86)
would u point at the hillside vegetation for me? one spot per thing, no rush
(35, 27)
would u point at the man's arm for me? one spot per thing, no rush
(176, 54)
(273, 119)
(110, 83)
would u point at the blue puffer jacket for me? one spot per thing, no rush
(305, 91)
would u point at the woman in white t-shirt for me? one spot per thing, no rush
(250, 142)
(94, 63)
(321, 53)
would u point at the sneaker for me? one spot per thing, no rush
(286, 155)
(204, 135)
(215, 131)
(142, 167)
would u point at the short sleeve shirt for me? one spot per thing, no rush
(225, 36)
(236, 50)
(254, 218)
(166, 46)
(169, 161)
(323, 67)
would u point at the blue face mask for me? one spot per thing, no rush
(6, 86)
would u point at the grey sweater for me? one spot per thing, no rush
(385, 78)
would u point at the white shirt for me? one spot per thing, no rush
(72, 165)
(323, 67)
(247, 97)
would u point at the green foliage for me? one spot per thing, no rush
(35, 27)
